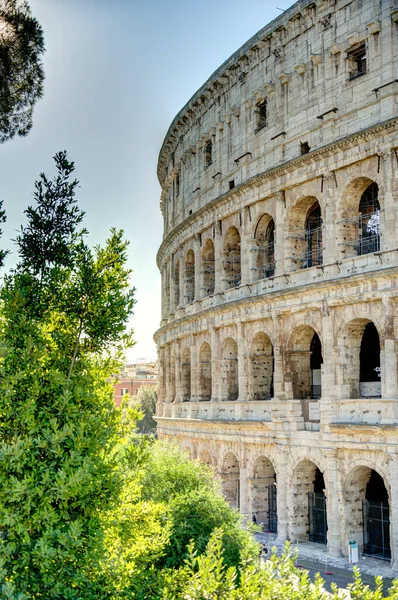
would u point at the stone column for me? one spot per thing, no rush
(393, 485)
(280, 234)
(194, 370)
(172, 288)
(332, 504)
(282, 486)
(244, 248)
(177, 376)
(388, 357)
(244, 492)
(218, 255)
(389, 213)
(215, 365)
(330, 251)
(242, 378)
(198, 266)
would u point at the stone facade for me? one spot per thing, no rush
(279, 263)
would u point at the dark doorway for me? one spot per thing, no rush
(317, 511)
(316, 361)
(376, 519)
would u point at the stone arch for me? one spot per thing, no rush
(362, 372)
(232, 258)
(263, 494)
(264, 234)
(229, 370)
(360, 218)
(208, 268)
(308, 503)
(261, 361)
(189, 277)
(205, 372)
(205, 457)
(186, 376)
(230, 477)
(305, 360)
(367, 510)
(305, 233)
(177, 292)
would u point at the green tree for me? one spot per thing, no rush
(21, 69)
(62, 331)
(146, 399)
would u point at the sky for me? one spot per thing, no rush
(117, 72)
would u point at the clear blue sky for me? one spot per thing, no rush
(117, 72)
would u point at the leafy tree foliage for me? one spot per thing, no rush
(146, 399)
(64, 308)
(21, 70)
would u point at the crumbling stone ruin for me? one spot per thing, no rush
(279, 264)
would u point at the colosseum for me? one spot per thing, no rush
(279, 262)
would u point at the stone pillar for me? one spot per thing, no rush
(244, 492)
(252, 248)
(172, 288)
(330, 251)
(218, 255)
(244, 248)
(215, 365)
(280, 234)
(194, 370)
(389, 212)
(282, 486)
(242, 377)
(332, 503)
(393, 497)
(198, 266)
(177, 375)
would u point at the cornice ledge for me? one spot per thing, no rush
(261, 177)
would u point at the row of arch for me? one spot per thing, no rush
(360, 235)
(305, 365)
(365, 494)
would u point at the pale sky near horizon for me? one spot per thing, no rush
(117, 72)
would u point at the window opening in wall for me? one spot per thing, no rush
(265, 251)
(316, 361)
(313, 237)
(177, 283)
(369, 360)
(264, 494)
(208, 269)
(369, 221)
(124, 391)
(261, 112)
(189, 277)
(317, 510)
(177, 184)
(304, 147)
(232, 184)
(208, 153)
(376, 519)
(190, 212)
(232, 258)
(356, 57)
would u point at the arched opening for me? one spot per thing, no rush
(229, 370)
(208, 268)
(368, 512)
(305, 233)
(362, 353)
(265, 252)
(369, 221)
(189, 277)
(305, 363)
(186, 376)
(205, 377)
(309, 520)
(313, 237)
(231, 259)
(264, 495)
(205, 457)
(177, 284)
(261, 367)
(230, 473)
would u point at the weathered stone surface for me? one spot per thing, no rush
(279, 271)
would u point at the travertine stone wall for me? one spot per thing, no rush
(248, 280)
